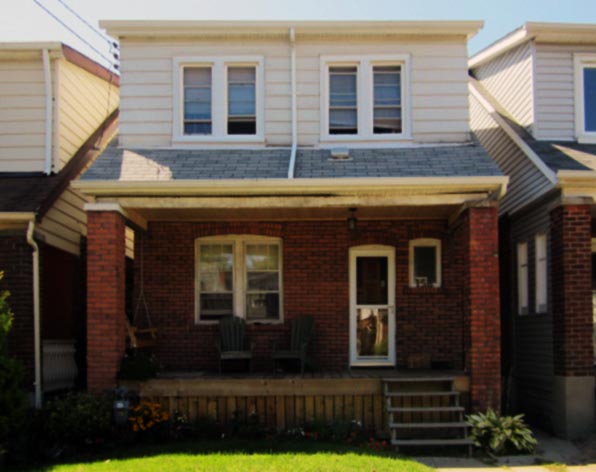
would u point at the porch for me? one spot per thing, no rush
(286, 401)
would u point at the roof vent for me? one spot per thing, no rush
(340, 154)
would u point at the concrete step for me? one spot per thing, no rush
(447, 424)
(432, 442)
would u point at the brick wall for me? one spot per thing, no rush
(572, 290)
(106, 331)
(315, 277)
(16, 262)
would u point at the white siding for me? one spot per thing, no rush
(84, 103)
(22, 116)
(555, 90)
(439, 86)
(526, 181)
(509, 79)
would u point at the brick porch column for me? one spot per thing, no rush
(481, 306)
(571, 269)
(106, 329)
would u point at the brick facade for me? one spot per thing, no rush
(572, 290)
(106, 329)
(16, 262)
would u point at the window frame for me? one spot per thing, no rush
(365, 97)
(219, 99)
(239, 274)
(541, 273)
(425, 242)
(581, 62)
(522, 278)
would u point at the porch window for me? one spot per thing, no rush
(239, 275)
(541, 273)
(425, 262)
(522, 278)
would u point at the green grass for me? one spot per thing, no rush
(236, 456)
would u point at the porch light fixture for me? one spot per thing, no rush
(352, 221)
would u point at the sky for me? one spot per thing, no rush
(23, 20)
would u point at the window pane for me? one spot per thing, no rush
(262, 257)
(262, 306)
(387, 100)
(425, 269)
(242, 100)
(216, 281)
(343, 110)
(372, 332)
(371, 281)
(590, 98)
(216, 257)
(263, 281)
(214, 305)
(197, 100)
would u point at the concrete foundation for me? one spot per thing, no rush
(573, 406)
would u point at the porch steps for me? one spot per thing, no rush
(424, 412)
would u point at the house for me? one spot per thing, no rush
(57, 108)
(277, 169)
(533, 107)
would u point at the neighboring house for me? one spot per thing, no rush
(533, 107)
(57, 108)
(278, 169)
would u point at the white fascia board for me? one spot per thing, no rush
(495, 185)
(513, 39)
(15, 216)
(155, 28)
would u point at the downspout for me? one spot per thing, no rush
(47, 75)
(294, 104)
(36, 313)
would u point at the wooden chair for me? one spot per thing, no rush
(233, 343)
(301, 330)
(140, 338)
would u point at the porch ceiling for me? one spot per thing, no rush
(269, 214)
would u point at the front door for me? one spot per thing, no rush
(372, 301)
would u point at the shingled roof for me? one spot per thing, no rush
(118, 164)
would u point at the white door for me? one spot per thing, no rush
(372, 302)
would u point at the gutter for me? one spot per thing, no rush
(36, 313)
(292, 164)
(277, 187)
(47, 75)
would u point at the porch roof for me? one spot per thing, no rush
(151, 165)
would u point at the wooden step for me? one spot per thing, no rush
(422, 394)
(425, 409)
(451, 424)
(432, 442)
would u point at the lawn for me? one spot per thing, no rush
(244, 456)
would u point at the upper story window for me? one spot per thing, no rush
(218, 99)
(585, 97)
(364, 98)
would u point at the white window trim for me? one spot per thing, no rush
(580, 62)
(425, 242)
(239, 241)
(364, 97)
(540, 273)
(522, 278)
(219, 99)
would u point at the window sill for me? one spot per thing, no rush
(423, 290)
(238, 139)
(248, 322)
(587, 138)
(381, 138)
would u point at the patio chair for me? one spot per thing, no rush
(233, 343)
(301, 330)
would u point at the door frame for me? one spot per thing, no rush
(373, 251)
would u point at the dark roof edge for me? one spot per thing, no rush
(81, 159)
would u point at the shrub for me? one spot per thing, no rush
(13, 403)
(78, 419)
(137, 365)
(497, 434)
